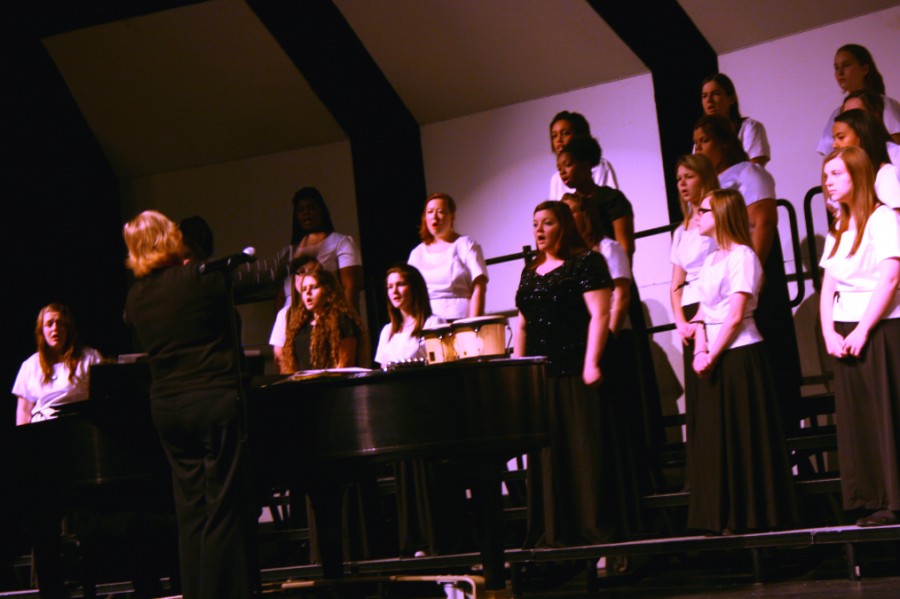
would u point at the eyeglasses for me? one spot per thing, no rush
(703, 210)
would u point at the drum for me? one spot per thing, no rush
(480, 337)
(438, 344)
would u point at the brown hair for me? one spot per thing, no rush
(873, 101)
(727, 85)
(420, 306)
(730, 214)
(424, 234)
(709, 180)
(70, 353)
(599, 225)
(153, 242)
(873, 79)
(721, 130)
(570, 241)
(326, 334)
(862, 201)
(872, 134)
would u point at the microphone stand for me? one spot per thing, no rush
(243, 424)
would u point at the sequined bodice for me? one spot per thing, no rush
(556, 318)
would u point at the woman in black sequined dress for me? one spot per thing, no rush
(563, 301)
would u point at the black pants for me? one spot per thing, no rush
(200, 433)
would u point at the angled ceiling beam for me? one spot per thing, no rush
(384, 137)
(662, 35)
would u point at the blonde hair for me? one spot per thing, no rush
(325, 338)
(153, 242)
(861, 202)
(730, 213)
(709, 180)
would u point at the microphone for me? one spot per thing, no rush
(248, 254)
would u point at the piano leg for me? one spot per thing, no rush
(326, 504)
(487, 497)
(43, 522)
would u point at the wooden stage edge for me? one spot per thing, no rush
(754, 542)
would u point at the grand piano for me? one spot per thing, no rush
(317, 433)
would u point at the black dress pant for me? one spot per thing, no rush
(201, 435)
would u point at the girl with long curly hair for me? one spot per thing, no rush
(323, 331)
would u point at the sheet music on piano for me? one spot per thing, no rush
(307, 375)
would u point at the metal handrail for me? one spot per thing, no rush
(526, 254)
(795, 245)
(657, 230)
(811, 236)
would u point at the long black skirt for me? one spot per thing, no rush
(775, 322)
(867, 401)
(690, 377)
(571, 484)
(738, 468)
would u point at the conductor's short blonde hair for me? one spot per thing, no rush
(153, 242)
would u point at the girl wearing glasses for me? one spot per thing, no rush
(738, 469)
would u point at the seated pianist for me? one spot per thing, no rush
(57, 373)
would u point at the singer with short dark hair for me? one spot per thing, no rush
(181, 318)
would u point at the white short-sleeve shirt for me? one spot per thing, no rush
(402, 345)
(450, 275)
(754, 139)
(689, 251)
(618, 264)
(603, 174)
(887, 185)
(61, 389)
(336, 251)
(753, 181)
(738, 272)
(855, 277)
(279, 329)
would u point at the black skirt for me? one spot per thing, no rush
(571, 484)
(690, 377)
(867, 402)
(738, 468)
(775, 322)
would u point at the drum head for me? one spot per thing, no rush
(479, 321)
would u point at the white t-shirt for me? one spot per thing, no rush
(891, 122)
(893, 151)
(60, 390)
(402, 346)
(336, 251)
(279, 329)
(449, 275)
(689, 250)
(603, 174)
(618, 264)
(738, 272)
(753, 181)
(856, 276)
(887, 185)
(754, 139)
